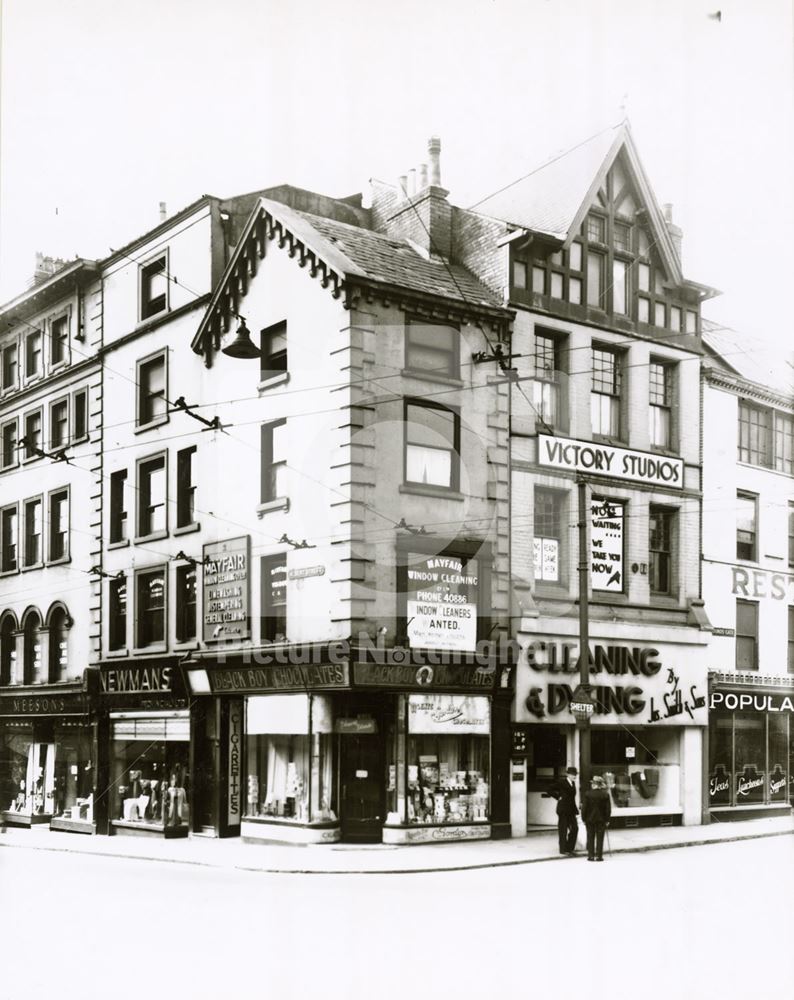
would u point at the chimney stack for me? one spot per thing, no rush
(45, 267)
(420, 212)
(434, 155)
(676, 232)
(163, 212)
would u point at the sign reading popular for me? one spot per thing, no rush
(227, 590)
(613, 463)
(441, 604)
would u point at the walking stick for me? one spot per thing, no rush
(609, 846)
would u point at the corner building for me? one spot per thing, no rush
(607, 342)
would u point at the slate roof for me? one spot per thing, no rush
(758, 361)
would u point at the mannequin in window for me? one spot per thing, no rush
(175, 802)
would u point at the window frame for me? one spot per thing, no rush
(268, 477)
(791, 532)
(65, 342)
(84, 435)
(181, 591)
(617, 395)
(10, 345)
(118, 514)
(753, 499)
(669, 555)
(52, 496)
(60, 401)
(36, 411)
(554, 392)
(26, 504)
(742, 635)
(668, 369)
(139, 623)
(267, 371)
(790, 643)
(452, 357)
(15, 509)
(114, 633)
(268, 631)
(146, 269)
(560, 499)
(142, 495)
(454, 484)
(39, 371)
(14, 456)
(186, 494)
(143, 396)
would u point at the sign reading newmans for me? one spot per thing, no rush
(226, 590)
(614, 463)
(441, 604)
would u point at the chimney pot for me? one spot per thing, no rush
(411, 182)
(422, 176)
(667, 211)
(434, 155)
(163, 212)
(402, 194)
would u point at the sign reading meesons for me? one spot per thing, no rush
(614, 463)
(441, 604)
(226, 590)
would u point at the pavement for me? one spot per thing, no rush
(327, 859)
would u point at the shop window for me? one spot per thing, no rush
(432, 445)
(33, 435)
(154, 287)
(117, 613)
(620, 287)
(519, 274)
(152, 512)
(59, 424)
(641, 768)
(59, 645)
(746, 526)
(33, 542)
(439, 774)
(9, 526)
(34, 668)
(33, 354)
(660, 549)
(10, 366)
(606, 391)
(58, 516)
(149, 777)
(30, 767)
(152, 390)
(273, 458)
(750, 758)
(432, 347)
(546, 388)
(661, 399)
(150, 607)
(273, 582)
(290, 759)
(548, 540)
(59, 340)
(185, 487)
(790, 658)
(273, 351)
(8, 445)
(185, 603)
(8, 651)
(746, 635)
(80, 415)
(118, 506)
(596, 263)
(73, 787)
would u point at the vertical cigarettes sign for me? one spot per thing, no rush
(226, 608)
(233, 814)
(606, 545)
(441, 604)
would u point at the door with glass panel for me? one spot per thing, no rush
(361, 786)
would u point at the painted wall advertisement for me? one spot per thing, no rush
(606, 545)
(441, 603)
(227, 590)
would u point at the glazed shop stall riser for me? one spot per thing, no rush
(48, 753)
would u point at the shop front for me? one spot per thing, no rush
(646, 730)
(146, 723)
(47, 757)
(751, 745)
(374, 746)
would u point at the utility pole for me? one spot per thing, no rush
(582, 703)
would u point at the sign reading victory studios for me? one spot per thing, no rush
(441, 605)
(227, 590)
(614, 463)
(606, 545)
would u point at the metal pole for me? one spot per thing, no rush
(584, 636)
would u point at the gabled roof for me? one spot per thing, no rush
(554, 199)
(345, 257)
(753, 360)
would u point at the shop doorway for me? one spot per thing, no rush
(361, 787)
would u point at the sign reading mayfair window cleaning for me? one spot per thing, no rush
(614, 463)
(441, 605)
(606, 545)
(226, 590)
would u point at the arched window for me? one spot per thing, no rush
(33, 665)
(8, 649)
(59, 644)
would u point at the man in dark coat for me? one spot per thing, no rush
(567, 827)
(596, 813)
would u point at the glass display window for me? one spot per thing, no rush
(439, 764)
(750, 759)
(641, 767)
(290, 758)
(29, 773)
(150, 781)
(73, 795)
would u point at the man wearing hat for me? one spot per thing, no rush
(596, 812)
(567, 827)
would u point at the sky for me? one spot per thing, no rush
(108, 109)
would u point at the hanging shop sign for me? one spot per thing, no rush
(613, 463)
(752, 701)
(448, 713)
(606, 545)
(639, 683)
(234, 771)
(226, 585)
(441, 602)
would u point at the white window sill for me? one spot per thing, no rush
(122, 543)
(281, 503)
(281, 378)
(425, 490)
(187, 529)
